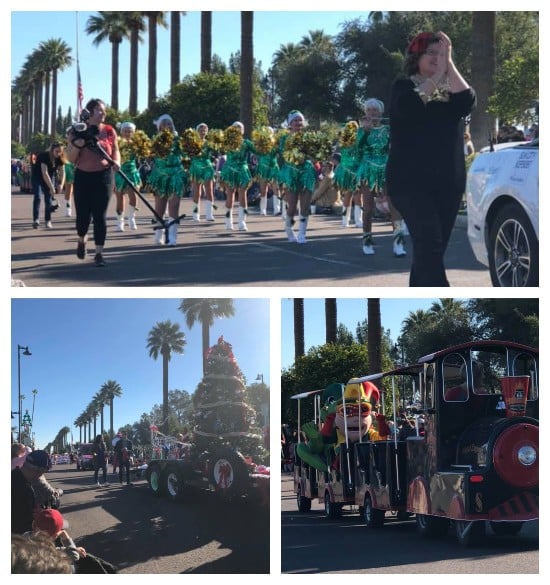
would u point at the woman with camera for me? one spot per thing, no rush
(48, 177)
(93, 150)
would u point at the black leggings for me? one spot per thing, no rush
(430, 217)
(92, 192)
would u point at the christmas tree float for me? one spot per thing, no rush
(224, 423)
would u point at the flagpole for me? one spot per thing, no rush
(79, 94)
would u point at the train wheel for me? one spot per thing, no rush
(431, 526)
(332, 510)
(174, 483)
(304, 504)
(506, 528)
(154, 479)
(469, 533)
(372, 517)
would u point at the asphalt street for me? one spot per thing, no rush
(208, 256)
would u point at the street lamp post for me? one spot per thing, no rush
(19, 408)
(260, 378)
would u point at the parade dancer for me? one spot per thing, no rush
(267, 170)
(235, 174)
(201, 174)
(297, 175)
(131, 146)
(373, 142)
(345, 175)
(168, 178)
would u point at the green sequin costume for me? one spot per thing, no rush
(297, 178)
(168, 176)
(268, 168)
(235, 172)
(345, 175)
(201, 169)
(129, 168)
(69, 173)
(374, 146)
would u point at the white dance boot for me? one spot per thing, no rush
(301, 239)
(276, 204)
(289, 231)
(229, 220)
(346, 216)
(242, 219)
(173, 231)
(159, 233)
(132, 218)
(208, 211)
(196, 211)
(398, 241)
(368, 248)
(120, 222)
(263, 205)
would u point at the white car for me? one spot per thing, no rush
(502, 193)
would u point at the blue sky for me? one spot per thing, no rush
(271, 30)
(349, 312)
(78, 344)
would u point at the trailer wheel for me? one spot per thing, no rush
(431, 526)
(372, 517)
(506, 528)
(332, 509)
(154, 479)
(229, 474)
(468, 532)
(304, 504)
(174, 483)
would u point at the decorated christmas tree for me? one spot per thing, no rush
(222, 416)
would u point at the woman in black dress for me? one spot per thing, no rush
(425, 174)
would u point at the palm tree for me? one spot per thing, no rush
(155, 19)
(483, 72)
(164, 339)
(111, 390)
(206, 42)
(374, 336)
(247, 71)
(175, 46)
(299, 340)
(57, 56)
(100, 400)
(113, 27)
(205, 311)
(136, 25)
(331, 320)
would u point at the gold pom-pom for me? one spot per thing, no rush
(215, 139)
(348, 134)
(162, 143)
(293, 151)
(263, 140)
(190, 142)
(232, 139)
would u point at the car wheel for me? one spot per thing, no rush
(513, 249)
(174, 483)
(373, 517)
(506, 528)
(332, 509)
(154, 479)
(469, 533)
(304, 504)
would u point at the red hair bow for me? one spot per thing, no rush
(421, 42)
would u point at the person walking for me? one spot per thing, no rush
(99, 451)
(426, 174)
(123, 450)
(48, 178)
(93, 177)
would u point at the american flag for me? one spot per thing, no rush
(79, 90)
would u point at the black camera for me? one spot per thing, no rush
(82, 134)
(54, 204)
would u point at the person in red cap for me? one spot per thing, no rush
(54, 525)
(425, 173)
